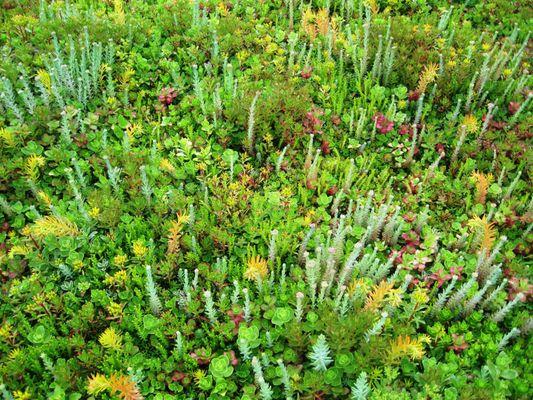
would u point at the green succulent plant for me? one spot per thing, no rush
(282, 315)
(220, 367)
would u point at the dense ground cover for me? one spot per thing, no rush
(265, 200)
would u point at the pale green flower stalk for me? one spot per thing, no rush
(484, 73)
(251, 123)
(488, 301)
(437, 307)
(113, 174)
(77, 194)
(309, 156)
(422, 219)
(458, 296)
(339, 238)
(345, 305)
(527, 326)
(388, 60)
(456, 111)
(501, 176)
(323, 290)
(179, 343)
(198, 88)
(349, 264)
(488, 263)
(419, 109)
(195, 279)
(388, 229)
(285, 379)
(6, 208)
(145, 187)
(272, 246)
(360, 123)
(320, 354)
(283, 276)
(155, 303)
(265, 391)
(192, 217)
(502, 312)
(264, 359)
(459, 144)
(244, 348)
(362, 211)
(299, 306)
(210, 307)
(476, 298)
(293, 38)
(236, 293)
(509, 336)
(397, 232)
(470, 92)
(383, 270)
(186, 286)
(7, 96)
(269, 341)
(445, 17)
(394, 276)
(330, 271)
(79, 172)
(338, 298)
(491, 110)
(406, 282)
(312, 270)
(512, 186)
(279, 161)
(361, 389)
(65, 128)
(313, 169)
(376, 67)
(377, 327)
(366, 34)
(48, 364)
(411, 153)
(247, 310)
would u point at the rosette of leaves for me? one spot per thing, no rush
(333, 377)
(311, 321)
(39, 335)
(346, 362)
(282, 315)
(250, 334)
(220, 367)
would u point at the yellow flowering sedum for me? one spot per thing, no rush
(52, 225)
(111, 339)
(471, 123)
(139, 249)
(420, 296)
(256, 269)
(404, 346)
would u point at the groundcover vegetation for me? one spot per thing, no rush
(325, 199)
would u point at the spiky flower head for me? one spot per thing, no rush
(139, 249)
(167, 166)
(485, 232)
(405, 346)
(111, 339)
(52, 225)
(428, 75)
(97, 384)
(471, 123)
(257, 269)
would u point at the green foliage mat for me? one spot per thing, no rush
(265, 199)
